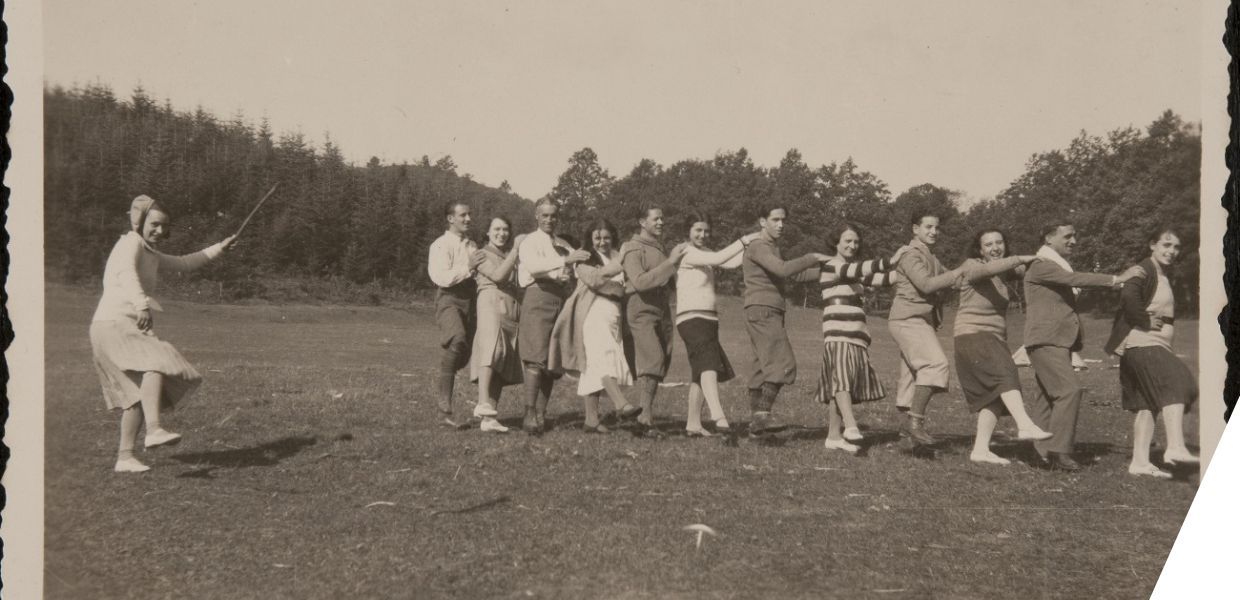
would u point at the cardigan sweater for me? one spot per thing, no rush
(1134, 299)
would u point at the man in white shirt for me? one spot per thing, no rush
(545, 272)
(451, 262)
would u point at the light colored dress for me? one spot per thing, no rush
(499, 311)
(122, 352)
(604, 343)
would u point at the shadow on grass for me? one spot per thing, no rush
(263, 455)
(1086, 453)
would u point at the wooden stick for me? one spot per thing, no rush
(251, 215)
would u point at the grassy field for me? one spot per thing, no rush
(311, 468)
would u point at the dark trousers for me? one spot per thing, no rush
(454, 315)
(773, 360)
(1056, 399)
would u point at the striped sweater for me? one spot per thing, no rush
(843, 318)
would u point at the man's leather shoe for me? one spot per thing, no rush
(1062, 462)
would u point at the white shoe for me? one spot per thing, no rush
(1149, 470)
(160, 437)
(130, 465)
(989, 458)
(490, 425)
(853, 434)
(1034, 434)
(482, 411)
(831, 444)
(1172, 458)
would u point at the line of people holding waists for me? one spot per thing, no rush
(601, 311)
(528, 309)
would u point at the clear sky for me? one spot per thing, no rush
(958, 94)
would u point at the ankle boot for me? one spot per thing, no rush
(914, 427)
(530, 423)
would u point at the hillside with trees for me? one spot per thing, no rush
(338, 226)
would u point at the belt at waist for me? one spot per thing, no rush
(845, 300)
(463, 291)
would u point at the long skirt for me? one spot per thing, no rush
(604, 347)
(986, 370)
(122, 353)
(1152, 378)
(495, 341)
(846, 368)
(701, 338)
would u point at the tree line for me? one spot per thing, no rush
(371, 225)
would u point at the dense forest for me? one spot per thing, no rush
(340, 232)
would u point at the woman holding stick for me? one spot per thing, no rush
(495, 362)
(698, 321)
(588, 337)
(1152, 379)
(847, 377)
(984, 365)
(141, 375)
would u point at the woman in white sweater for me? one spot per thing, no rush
(140, 373)
(698, 322)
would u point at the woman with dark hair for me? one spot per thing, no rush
(698, 322)
(495, 362)
(984, 365)
(588, 337)
(141, 375)
(1152, 379)
(846, 377)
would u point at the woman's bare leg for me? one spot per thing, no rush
(1173, 421)
(615, 394)
(486, 404)
(131, 421)
(710, 390)
(987, 418)
(1142, 436)
(1026, 428)
(151, 392)
(693, 420)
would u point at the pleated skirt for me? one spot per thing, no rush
(122, 353)
(1152, 378)
(846, 368)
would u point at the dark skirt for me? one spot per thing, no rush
(986, 370)
(846, 368)
(701, 338)
(1152, 378)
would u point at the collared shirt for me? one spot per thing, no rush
(447, 261)
(541, 257)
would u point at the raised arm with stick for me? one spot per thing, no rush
(256, 207)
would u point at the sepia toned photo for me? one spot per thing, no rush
(653, 300)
